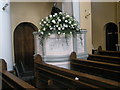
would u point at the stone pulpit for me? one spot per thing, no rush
(56, 49)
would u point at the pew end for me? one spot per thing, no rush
(3, 64)
(73, 55)
(10, 81)
(38, 59)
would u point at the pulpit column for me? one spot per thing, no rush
(6, 34)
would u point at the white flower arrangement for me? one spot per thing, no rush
(59, 23)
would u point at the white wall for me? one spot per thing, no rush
(85, 23)
(6, 35)
(102, 13)
(28, 12)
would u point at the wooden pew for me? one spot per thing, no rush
(106, 70)
(101, 58)
(65, 79)
(11, 81)
(109, 53)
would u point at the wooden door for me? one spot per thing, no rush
(24, 44)
(111, 36)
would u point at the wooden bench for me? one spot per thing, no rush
(66, 79)
(109, 53)
(101, 58)
(102, 69)
(11, 81)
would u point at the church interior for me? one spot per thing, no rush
(62, 45)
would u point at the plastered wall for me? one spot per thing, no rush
(28, 12)
(85, 23)
(102, 13)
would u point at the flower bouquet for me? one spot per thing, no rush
(59, 23)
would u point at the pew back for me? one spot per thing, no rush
(106, 70)
(109, 53)
(66, 79)
(101, 58)
(11, 81)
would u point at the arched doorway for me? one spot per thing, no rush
(24, 44)
(111, 36)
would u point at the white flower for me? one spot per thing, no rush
(46, 18)
(55, 14)
(50, 16)
(42, 32)
(59, 28)
(60, 12)
(58, 32)
(70, 32)
(42, 19)
(56, 25)
(43, 29)
(63, 28)
(69, 22)
(67, 16)
(77, 29)
(66, 21)
(59, 20)
(40, 23)
(39, 30)
(63, 33)
(63, 18)
(44, 22)
(49, 33)
(66, 25)
(51, 28)
(75, 24)
(53, 21)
